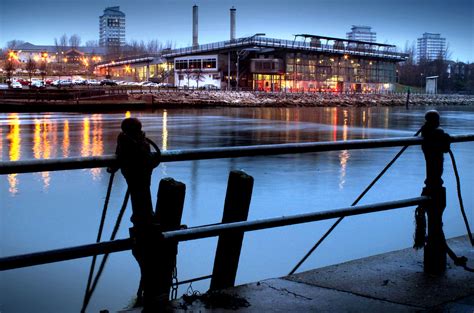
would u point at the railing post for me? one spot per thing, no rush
(435, 143)
(236, 209)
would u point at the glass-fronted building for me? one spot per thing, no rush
(311, 64)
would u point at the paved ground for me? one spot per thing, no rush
(391, 282)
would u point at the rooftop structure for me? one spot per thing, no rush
(362, 33)
(430, 47)
(112, 27)
(307, 63)
(55, 54)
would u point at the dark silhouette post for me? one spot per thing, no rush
(236, 209)
(155, 257)
(408, 98)
(435, 143)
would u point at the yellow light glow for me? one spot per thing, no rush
(97, 143)
(65, 60)
(127, 68)
(86, 144)
(346, 56)
(14, 138)
(164, 136)
(66, 141)
(128, 114)
(36, 58)
(370, 63)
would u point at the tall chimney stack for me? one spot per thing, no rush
(195, 26)
(232, 23)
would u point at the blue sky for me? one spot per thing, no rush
(395, 22)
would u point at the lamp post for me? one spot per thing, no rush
(421, 80)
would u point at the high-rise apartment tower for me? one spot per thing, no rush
(112, 27)
(430, 47)
(362, 33)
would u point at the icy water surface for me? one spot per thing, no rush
(50, 210)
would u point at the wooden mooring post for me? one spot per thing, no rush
(236, 209)
(157, 258)
(436, 143)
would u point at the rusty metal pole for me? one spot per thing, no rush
(236, 209)
(435, 143)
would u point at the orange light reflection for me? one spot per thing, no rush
(14, 139)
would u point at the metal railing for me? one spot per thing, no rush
(29, 166)
(58, 255)
(18, 261)
(287, 44)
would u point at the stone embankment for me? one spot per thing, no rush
(256, 99)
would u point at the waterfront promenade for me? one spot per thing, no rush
(390, 282)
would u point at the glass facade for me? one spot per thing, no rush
(312, 72)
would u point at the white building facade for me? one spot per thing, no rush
(197, 71)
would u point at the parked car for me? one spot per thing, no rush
(150, 84)
(108, 82)
(16, 85)
(37, 84)
(210, 87)
(79, 81)
(165, 85)
(93, 82)
(62, 83)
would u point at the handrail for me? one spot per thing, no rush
(28, 166)
(199, 232)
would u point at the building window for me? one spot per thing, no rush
(113, 22)
(181, 64)
(209, 63)
(195, 64)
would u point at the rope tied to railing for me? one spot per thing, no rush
(136, 162)
(435, 144)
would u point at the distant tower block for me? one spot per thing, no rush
(195, 26)
(232, 23)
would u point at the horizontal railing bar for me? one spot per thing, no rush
(58, 255)
(64, 254)
(215, 230)
(28, 166)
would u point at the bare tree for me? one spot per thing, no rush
(9, 68)
(92, 43)
(153, 46)
(43, 67)
(198, 76)
(30, 67)
(14, 44)
(63, 41)
(188, 74)
(75, 41)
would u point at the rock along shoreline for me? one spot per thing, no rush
(206, 99)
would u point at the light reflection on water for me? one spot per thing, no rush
(63, 208)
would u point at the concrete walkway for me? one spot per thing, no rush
(391, 282)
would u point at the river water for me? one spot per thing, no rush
(50, 210)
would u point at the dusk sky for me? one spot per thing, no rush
(395, 22)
